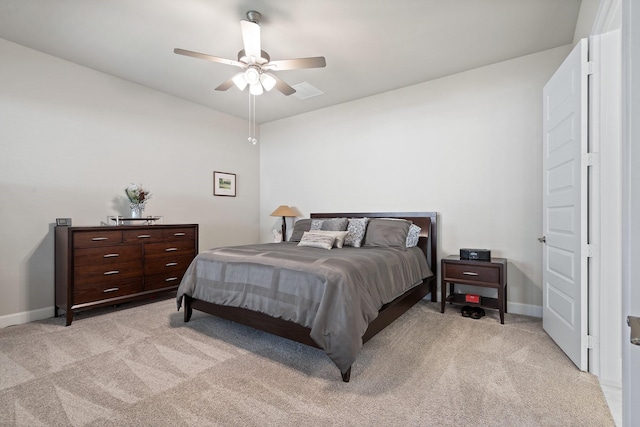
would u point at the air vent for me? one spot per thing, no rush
(306, 90)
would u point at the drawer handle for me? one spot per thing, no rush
(108, 273)
(170, 279)
(144, 236)
(171, 264)
(171, 249)
(97, 239)
(110, 290)
(110, 255)
(179, 234)
(469, 273)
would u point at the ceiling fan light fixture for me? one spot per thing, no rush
(268, 81)
(256, 89)
(252, 75)
(239, 81)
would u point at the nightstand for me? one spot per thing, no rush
(485, 274)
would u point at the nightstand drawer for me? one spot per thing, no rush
(475, 273)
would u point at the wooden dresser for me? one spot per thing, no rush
(98, 266)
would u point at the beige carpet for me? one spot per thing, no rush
(140, 365)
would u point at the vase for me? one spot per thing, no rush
(136, 210)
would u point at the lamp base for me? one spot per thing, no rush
(284, 229)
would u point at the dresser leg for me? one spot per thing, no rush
(69, 317)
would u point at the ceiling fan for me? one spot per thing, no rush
(256, 63)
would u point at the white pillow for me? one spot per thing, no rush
(338, 235)
(317, 240)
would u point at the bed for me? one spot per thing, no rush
(325, 302)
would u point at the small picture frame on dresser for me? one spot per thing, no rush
(224, 184)
(63, 222)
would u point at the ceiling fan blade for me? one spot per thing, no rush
(208, 57)
(251, 38)
(225, 85)
(296, 64)
(282, 86)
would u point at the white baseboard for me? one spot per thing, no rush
(524, 309)
(26, 317)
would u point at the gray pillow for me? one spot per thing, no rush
(335, 224)
(387, 233)
(299, 228)
(356, 230)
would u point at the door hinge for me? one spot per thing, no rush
(591, 342)
(588, 250)
(588, 67)
(589, 159)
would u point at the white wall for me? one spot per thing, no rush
(71, 140)
(467, 146)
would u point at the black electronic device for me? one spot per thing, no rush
(476, 254)
(66, 222)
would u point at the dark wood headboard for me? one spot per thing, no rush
(427, 221)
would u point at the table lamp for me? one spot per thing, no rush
(284, 211)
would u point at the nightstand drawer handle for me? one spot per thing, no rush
(108, 273)
(179, 234)
(97, 239)
(469, 273)
(110, 255)
(144, 236)
(171, 249)
(110, 290)
(171, 264)
(170, 279)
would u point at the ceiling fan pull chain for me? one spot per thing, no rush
(252, 119)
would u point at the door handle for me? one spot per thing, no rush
(634, 324)
(542, 239)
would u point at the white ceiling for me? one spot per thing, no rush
(371, 46)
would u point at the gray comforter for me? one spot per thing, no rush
(336, 293)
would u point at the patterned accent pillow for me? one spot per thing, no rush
(317, 240)
(356, 229)
(339, 236)
(413, 236)
(316, 224)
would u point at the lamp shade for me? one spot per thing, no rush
(284, 210)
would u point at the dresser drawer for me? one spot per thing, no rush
(103, 290)
(179, 233)
(86, 276)
(142, 236)
(477, 273)
(96, 238)
(107, 255)
(180, 247)
(167, 264)
(165, 280)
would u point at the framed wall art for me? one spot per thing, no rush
(224, 184)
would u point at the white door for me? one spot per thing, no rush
(564, 204)
(631, 209)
